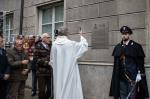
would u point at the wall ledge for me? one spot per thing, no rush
(102, 63)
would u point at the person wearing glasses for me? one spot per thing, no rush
(43, 69)
(20, 67)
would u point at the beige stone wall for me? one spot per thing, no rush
(116, 13)
(87, 13)
(12, 6)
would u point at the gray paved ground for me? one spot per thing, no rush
(28, 94)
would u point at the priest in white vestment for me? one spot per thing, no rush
(64, 55)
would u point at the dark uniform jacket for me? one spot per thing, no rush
(134, 51)
(41, 58)
(4, 65)
(15, 57)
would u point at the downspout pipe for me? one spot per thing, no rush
(21, 17)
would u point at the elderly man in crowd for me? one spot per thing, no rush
(20, 67)
(44, 70)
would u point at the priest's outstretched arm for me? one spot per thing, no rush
(81, 46)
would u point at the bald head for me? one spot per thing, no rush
(18, 41)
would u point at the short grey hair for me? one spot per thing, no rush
(45, 35)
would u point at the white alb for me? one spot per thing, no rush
(64, 55)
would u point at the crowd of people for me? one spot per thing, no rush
(55, 72)
(32, 54)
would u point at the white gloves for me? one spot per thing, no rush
(138, 77)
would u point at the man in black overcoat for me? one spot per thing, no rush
(128, 69)
(4, 70)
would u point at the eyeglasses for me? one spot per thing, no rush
(47, 37)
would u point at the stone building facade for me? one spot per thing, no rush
(99, 19)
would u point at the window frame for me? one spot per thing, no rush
(40, 14)
(10, 28)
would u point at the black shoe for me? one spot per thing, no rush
(33, 93)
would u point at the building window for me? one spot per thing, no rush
(1, 22)
(51, 18)
(8, 32)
